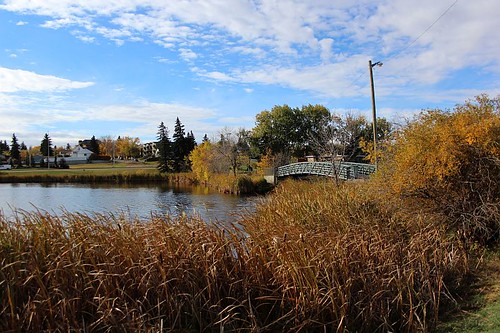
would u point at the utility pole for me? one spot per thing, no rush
(374, 110)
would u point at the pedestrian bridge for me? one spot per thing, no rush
(343, 170)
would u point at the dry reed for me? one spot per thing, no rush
(314, 257)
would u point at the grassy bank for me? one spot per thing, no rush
(313, 257)
(477, 309)
(123, 173)
(117, 176)
(87, 173)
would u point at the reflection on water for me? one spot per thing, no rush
(133, 200)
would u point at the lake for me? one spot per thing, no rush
(132, 200)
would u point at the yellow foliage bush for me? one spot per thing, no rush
(200, 161)
(453, 159)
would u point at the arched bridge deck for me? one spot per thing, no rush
(345, 170)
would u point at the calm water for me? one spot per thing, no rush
(138, 201)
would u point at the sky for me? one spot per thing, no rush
(81, 68)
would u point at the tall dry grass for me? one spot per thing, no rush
(347, 259)
(313, 257)
(239, 184)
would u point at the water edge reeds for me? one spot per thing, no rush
(313, 257)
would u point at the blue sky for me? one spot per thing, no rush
(77, 68)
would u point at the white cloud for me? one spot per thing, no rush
(15, 80)
(86, 39)
(218, 76)
(237, 121)
(269, 23)
(326, 49)
(334, 80)
(21, 23)
(187, 54)
(319, 46)
(142, 118)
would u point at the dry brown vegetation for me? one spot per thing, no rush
(334, 258)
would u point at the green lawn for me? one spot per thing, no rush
(480, 314)
(97, 168)
(82, 171)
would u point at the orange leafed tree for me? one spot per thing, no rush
(453, 159)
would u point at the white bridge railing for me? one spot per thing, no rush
(344, 170)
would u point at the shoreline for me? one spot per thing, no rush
(228, 184)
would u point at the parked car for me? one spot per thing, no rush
(5, 166)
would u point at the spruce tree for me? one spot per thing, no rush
(190, 145)
(46, 146)
(94, 145)
(179, 145)
(15, 153)
(164, 147)
(4, 147)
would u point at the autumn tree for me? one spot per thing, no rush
(201, 158)
(107, 145)
(228, 151)
(25, 154)
(452, 160)
(267, 162)
(128, 147)
(365, 144)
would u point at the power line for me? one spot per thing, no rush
(423, 33)
(411, 44)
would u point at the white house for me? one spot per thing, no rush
(79, 155)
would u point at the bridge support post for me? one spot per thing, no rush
(271, 175)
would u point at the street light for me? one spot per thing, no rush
(374, 110)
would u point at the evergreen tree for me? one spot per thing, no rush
(190, 145)
(23, 146)
(190, 142)
(94, 145)
(46, 146)
(15, 153)
(4, 147)
(205, 138)
(179, 145)
(164, 147)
